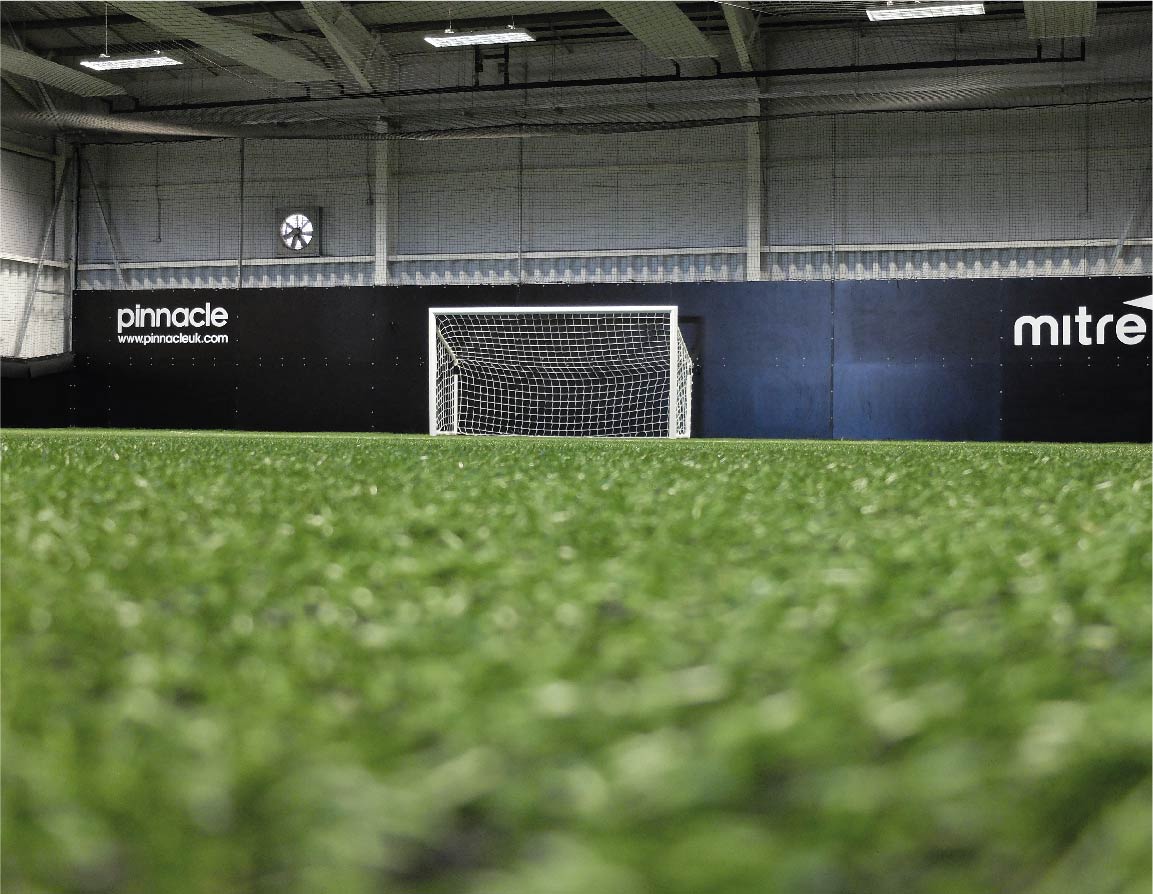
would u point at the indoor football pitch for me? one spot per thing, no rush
(337, 663)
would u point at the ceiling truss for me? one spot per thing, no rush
(226, 39)
(358, 49)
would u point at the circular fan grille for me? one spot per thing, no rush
(296, 231)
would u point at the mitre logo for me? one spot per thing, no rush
(1082, 328)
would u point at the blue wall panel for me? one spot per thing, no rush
(917, 360)
(917, 401)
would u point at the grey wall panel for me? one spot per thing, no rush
(456, 213)
(33, 296)
(25, 203)
(181, 202)
(331, 175)
(46, 327)
(798, 176)
(173, 223)
(163, 202)
(455, 198)
(689, 206)
(989, 176)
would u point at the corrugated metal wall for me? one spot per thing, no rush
(35, 287)
(949, 194)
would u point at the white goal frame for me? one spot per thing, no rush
(680, 365)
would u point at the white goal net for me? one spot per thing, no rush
(575, 371)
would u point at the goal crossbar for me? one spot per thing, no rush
(558, 309)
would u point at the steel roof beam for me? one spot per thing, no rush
(114, 19)
(664, 29)
(361, 53)
(227, 39)
(51, 74)
(744, 32)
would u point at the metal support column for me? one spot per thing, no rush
(383, 157)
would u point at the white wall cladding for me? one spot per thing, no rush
(46, 327)
(35, 305)
(333, 175)
(994, 175)
(577, 194)
(175, 212)
(961, 261)
(960, 194)
(163, 201)
(673, 189)
(948, 194)
(626, 266)
(269, 273)
(26, 200)
(1056, 186)
(457, 197)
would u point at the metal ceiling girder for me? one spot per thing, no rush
(44, 23)
(51, 74)
(354, 44)
(664, 29)
(743, 30)
(19, 91)
(226, 39)
(1069, 18)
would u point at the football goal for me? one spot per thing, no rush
(575, 371)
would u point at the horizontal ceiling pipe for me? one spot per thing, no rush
(612, 82)
(685, 106)
(528, 130)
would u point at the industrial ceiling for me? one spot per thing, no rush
(363, 70)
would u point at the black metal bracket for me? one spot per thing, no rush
(479, 57)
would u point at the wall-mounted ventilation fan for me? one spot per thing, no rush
(298, 232)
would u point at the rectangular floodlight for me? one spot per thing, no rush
(925, 11)
(110, 64)
(480, 37)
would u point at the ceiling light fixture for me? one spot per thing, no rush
(480, 37)
(925, 11)
(109, 63)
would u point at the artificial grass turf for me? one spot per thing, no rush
(310, 663)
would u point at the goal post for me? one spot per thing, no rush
(618, 371)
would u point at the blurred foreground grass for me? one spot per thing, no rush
(281, 663)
